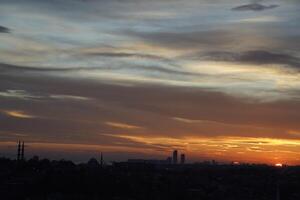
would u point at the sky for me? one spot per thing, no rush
(215, 79)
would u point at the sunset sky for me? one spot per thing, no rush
(216, 79)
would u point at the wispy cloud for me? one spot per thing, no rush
(215, 123)
(19, 94)
(68, 97)
(122, 125)
(257, 20)
(25, 95)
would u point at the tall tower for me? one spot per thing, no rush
(101, 160)
(22, 151)
(182, 159)
(175, 157)
(19, 151)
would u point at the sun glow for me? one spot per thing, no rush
(257, 150)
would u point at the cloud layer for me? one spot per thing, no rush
(143, 77)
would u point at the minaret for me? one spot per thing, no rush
(101, 160)
(22, 151)
(19, 151)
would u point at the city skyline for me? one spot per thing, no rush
(217, 80)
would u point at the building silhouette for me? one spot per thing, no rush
(175, 154)
(169, 160)
(182, 159)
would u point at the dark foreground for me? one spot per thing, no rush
(44, 179)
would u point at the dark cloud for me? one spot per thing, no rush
(127, 55)
(4, 29)
(256, 57)
(185, 40)
(173, 70)
(132, 55)
(254, 7)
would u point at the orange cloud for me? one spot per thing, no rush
(18, 114)
(122, 125)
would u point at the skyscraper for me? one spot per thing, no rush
(175, 157)
(182, 159)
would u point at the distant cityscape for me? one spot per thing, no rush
(175, 159)
(168, 161)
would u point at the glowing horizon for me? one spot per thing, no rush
(235, 149)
